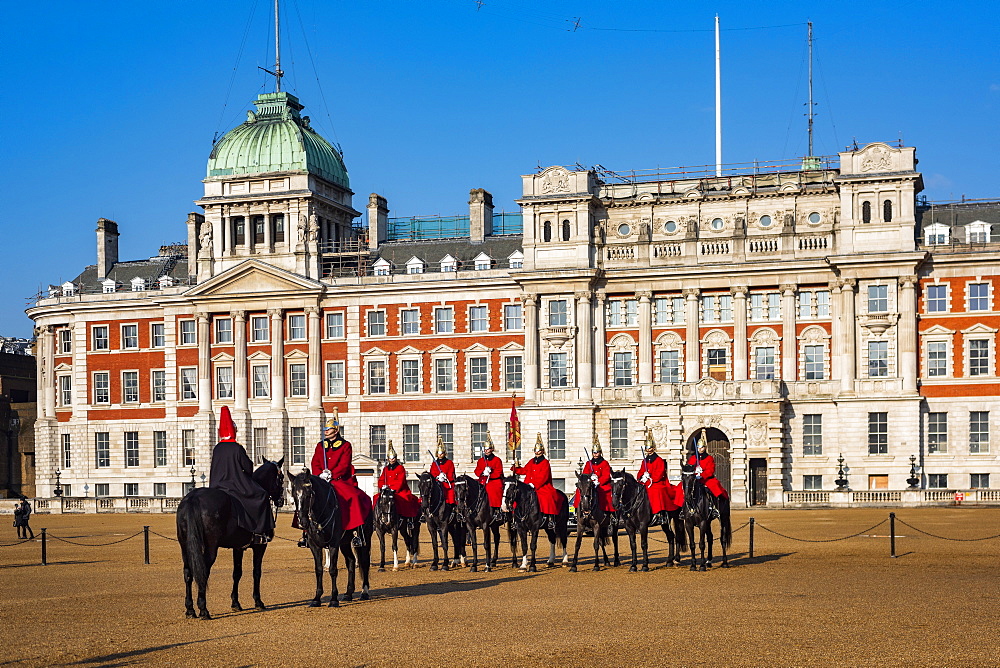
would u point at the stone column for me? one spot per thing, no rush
(907, 333)
(220, 232)
(240, 393)
(848, 354)
(584, 347)
(204, 363)
(692, 347)
(740, 366)
(836, 330)
(48, 350)
(315, 359)
(600, 343)
(645, 337)
(268, 238)
(789, 342)
(530, 346)
(277, 359)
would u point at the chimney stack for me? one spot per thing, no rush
(378, 220)
(480, 215)
(107, 246)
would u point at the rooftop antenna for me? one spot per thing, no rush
(718, 103)
(810, 161)
(277, 73)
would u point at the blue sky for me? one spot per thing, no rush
(109, 108)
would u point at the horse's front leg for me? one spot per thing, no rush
(701, 547)
(645, 548)
(690, 537)
(487, 548)
(317, 553)
(533, 547)
(381, 547)
(576, 548)
(433, 531)
(670, 542)
(470, 531)
(349, 565)
(711, 540)
(364, 562)
(614, 541)
(632, 543)
(333, 554)
(258, 560)
(395, 546)
(445, 565)
(598, 534)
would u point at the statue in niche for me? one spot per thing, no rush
(301, 227)
(205, 239)
(313, 228)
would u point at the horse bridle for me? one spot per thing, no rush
(592, 501)
(437, 490)
(633, 509)
(320, 527)
(384, 516)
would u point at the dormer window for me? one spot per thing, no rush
(936, 234)
(415, 266)
(448, 263)
(68, 289)
(109, 285)
(138, 284)
(978, 232)
(483, 262)
(166, 281)
(382, 267)
(516, 260)
(55, 291)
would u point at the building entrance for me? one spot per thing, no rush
(718, 447)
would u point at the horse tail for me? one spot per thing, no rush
(726, 535)
(193, 543)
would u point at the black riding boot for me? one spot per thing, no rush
(498, 516)
(359, 539)
(552, 522)
(713, 512)
(659, 519)
(304, 541)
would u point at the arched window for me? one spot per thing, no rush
(887, 211)
(547, 231)
(866, 212)
(565, 230)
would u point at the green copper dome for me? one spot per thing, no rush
(276, 138)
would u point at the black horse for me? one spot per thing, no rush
(526, 518)
(472, 507)
(591, 516)
(206, 521)
(388, 521)
(318, 510)
(631, 502)
(438, 514)
(697, 512)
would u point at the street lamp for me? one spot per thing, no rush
(841, 480)
(193, 483)
(913, 480)
(203, 476)
(58, 490)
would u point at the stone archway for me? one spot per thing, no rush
(718, 447)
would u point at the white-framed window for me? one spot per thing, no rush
(937, 481)
(381, 267)
(298, 439)
(189, 332)
(411, 443)
(878, 298)
(516, 260)
(99, 337)
(223, 330)
(482, 262)
(297, 380)
(409, 370)
(512, 318)
(159, 489)
(479, 318)
(878, 433)
(160, 449)
(335, 325)
(130, 337)
(297, 327)
(937, 432)
(764, 363)
(716, 308)
(259, 328)
(979, 296)
(158, 335)
(936, 298)
(936, 234)
(622, 369)
(764, 306)
(717, 360)
(812, 434)
(130, 387)
(677, 310)
(979, 432)
(377, 442)
(805, 305)
(335, 382)
(65, 390)
(132, 450)
(661, 311)
(623, 313)
(65, 341)
(878, 359)
(261, 375)
(409, 319)
(376, 323)
(978, 351)
(513, 372)
(446, 434)
(978, 232)
(444, 320)
(67, 453)
(670, 366)
(449, 264)
(558, 370)
(812, 481)
(556, 433)
(259, 444)
(223, 382)
(415, 266)
(102, 387)
(478, 435)
(479, 374)
(619, 438)
(102, 450)
(376, 377)
(937, 358)
(187, 446)
(558, 313)
(444, 374)
(979, 481)
(189, 383)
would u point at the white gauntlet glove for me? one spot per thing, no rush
(487, 471)
(531, 485)
(698, 470)
(442, 477)
(594, 478)
(645, 478)
(326, 475)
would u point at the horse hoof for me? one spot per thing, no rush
(617, 563)
(694, 568)
(364, 596)
(446, 567)
(725, 564)
(190, 614)
(313, 604)
(334, 603)
(703, 568)
(632, 569)
(347, 597)
(550, 564)
(597, 567)
(489, 569)
(260, 606)
(572, 569)
(473, 570)
(237, 608)
(434, 567)
(204, 615)
(532, 569)
(644, 569)
(381, 569)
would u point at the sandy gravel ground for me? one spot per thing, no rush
(843, 603)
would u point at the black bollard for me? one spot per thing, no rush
(45, 556)
(752, 522)
(145, 540)
(892, 535)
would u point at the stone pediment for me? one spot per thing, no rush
(254, 278)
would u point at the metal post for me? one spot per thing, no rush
(145, 540)
(892, 535)
(752, 523)
(45, 556)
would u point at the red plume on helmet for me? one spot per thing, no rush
(227, 428)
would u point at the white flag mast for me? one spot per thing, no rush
(718, 102)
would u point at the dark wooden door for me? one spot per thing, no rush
(718, 447)
(758, 482)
